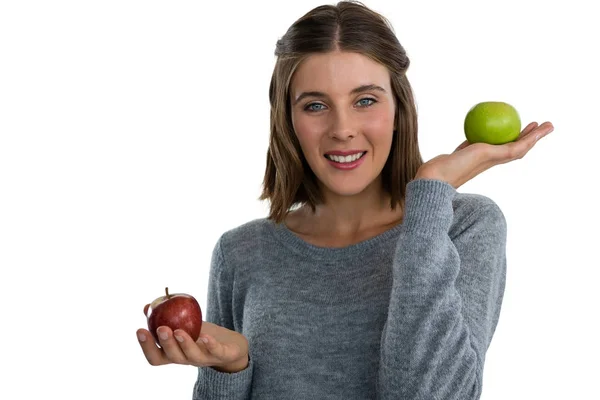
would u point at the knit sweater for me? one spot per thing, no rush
(408, 314)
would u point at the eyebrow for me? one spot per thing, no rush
(360, 89)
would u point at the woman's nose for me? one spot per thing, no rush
(342, 127)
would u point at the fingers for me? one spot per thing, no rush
(179, 348)
(195, 352)
(229, 355)
(207, 351)
(532, 137)
(215, 348)
(170, 345)
(527, 130)
(171, 350)
(543, 130)
(518, 149)
(152, 352)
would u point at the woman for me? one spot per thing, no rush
(372, 277)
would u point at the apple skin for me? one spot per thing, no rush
(177, 311)
(492, 122)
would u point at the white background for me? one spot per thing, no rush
(134, 133)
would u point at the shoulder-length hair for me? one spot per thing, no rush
(347, 26)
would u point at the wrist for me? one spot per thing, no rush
(425, 175)
(429, 206)
(234, 367)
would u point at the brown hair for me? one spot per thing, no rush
(347, 26)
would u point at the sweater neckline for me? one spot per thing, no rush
(299, 245)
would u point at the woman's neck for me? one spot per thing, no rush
(346, 219)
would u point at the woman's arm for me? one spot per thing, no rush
(446, 296)
(211, 383)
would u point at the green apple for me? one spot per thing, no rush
(492, 122)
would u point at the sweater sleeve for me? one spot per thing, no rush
(446, 297)
(212, 384)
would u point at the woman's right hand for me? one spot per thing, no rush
(224, 350)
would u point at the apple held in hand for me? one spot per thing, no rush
(177, 311)
(492, 122)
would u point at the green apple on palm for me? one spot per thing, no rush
(492, 122)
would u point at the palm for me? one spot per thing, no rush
(224, 349)
(469, 160)
(232, 345)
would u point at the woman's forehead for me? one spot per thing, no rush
(338, 72)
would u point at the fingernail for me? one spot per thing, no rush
(537, 137)
(141, 337)
(204, 340)
(163, 335)
(179, 338)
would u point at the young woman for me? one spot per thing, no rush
(372, 276)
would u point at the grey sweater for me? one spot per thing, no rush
(408, 314)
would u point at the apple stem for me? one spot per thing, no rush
(167, 292)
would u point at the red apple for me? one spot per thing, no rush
(177, 311)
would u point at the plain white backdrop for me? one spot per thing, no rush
(134, 133)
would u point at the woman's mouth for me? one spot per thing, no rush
(346, 162)
(345, 159)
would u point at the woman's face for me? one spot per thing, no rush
(343, 102)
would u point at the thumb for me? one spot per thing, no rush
(215, 348)
(462, 146)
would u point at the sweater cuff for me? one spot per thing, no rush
(212, 384)
(428, 206)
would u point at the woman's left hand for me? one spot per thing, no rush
(469, 160)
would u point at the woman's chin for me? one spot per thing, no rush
(347, 189)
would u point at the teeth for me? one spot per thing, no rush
(345, 159)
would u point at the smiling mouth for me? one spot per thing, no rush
(345, 159)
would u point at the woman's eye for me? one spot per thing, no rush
(311, 107)
(363, 103)
(366, 102)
